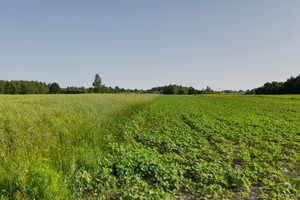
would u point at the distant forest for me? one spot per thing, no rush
(35, 87)
(180, 90)
(291, 86)
(23, 87)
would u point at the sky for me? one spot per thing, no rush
(230, 44)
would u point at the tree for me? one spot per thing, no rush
(171, 89)
(97, 84)
(8, 88)
(54, 88)
(90, 90)
(117, 89)
(291, 86)
(25, 88)
(191, 90)
(104, 89)
(208, 90)
(2, 87)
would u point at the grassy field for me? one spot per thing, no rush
(49, 142)
(149, 147)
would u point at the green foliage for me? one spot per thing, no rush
(90, 90)
(192, 91)
(34, 87)
(291, 86)
(208, 90)
(171, 89)
(23, 87)
(181, 90)
(54, 88)
(129, 146)
(34, 182)
(104, 89)
(73, 90)
(2, 87)
(97, 84)
(50, 144)
(217, 147)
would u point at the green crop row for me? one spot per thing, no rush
(209, 147)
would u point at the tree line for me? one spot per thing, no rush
(35, 87)
(291, 86)
(26, 87)
(180, 90)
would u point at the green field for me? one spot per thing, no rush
(134, 146)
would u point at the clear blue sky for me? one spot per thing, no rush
(230, 44)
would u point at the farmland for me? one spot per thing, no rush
(149, 147)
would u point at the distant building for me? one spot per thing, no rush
(156, 92)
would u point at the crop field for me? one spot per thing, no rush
(136, 146)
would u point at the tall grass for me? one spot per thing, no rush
(50, 143)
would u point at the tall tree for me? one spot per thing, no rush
(97, 84)
(2, 87)
(54, 88)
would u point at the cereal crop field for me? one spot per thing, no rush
(143, 146)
